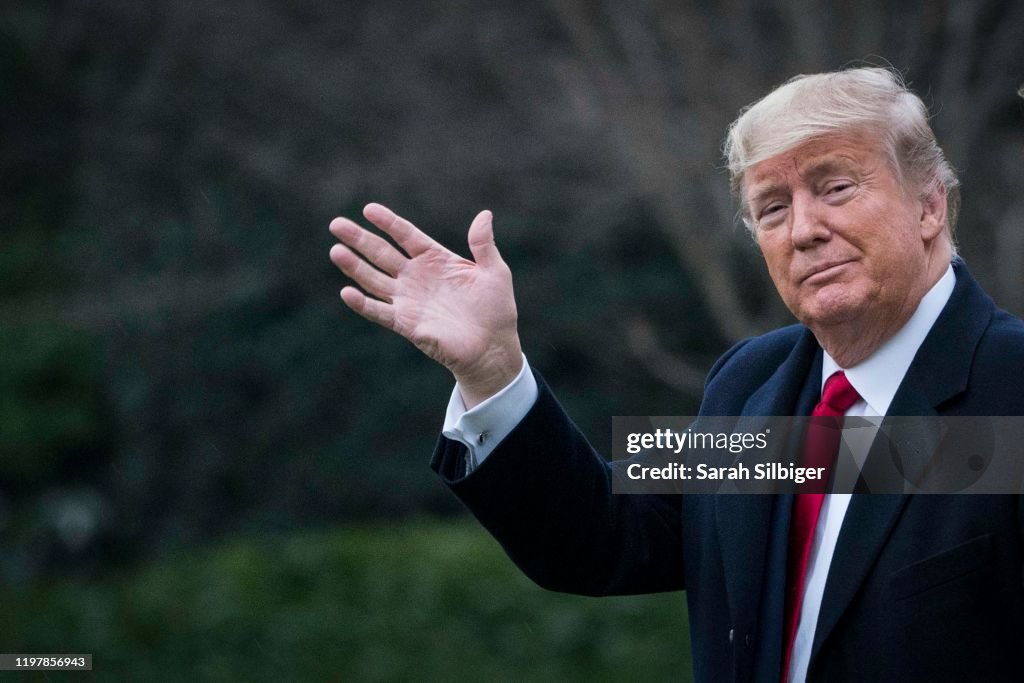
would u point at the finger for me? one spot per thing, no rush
(371, 309)
(481, 240)
(408, 236)
(365, 275)
(376, 249)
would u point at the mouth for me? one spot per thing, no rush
(824, 271)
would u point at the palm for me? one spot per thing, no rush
(446, 306)
(459, 312)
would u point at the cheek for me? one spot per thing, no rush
(777, 258)
(778, 271)
(778, 274)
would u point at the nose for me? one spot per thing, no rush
(807, 221)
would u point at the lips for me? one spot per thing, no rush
(823, 269)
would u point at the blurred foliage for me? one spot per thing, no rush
(176, 366)
(50, 410)
(419, 601)
(181, 389)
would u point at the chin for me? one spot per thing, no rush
(828, 311)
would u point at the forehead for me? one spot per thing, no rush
(842, 151)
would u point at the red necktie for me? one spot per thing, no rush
(821, 443)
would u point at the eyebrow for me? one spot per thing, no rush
(814, 171)
(828, 167)
(765, 192)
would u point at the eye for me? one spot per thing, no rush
(771, 214)
(838, 187)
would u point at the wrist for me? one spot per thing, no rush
(496, 373)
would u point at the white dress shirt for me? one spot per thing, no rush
(876, 379)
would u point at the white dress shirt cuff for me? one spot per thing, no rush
(487, 424)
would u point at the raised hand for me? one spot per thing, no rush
(461, 313)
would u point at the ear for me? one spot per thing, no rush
(933, 212)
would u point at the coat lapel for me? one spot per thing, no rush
(749, 524)
(939, 372)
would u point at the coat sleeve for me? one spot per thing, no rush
(546, 495)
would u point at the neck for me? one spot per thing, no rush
(851, 342)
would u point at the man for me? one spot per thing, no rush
(853, 205)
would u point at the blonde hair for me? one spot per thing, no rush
(872, 99)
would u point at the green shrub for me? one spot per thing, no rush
(419, 601)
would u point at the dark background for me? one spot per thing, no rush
(179, 381)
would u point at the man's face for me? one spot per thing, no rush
(845, 245)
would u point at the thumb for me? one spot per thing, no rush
(481, 240)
